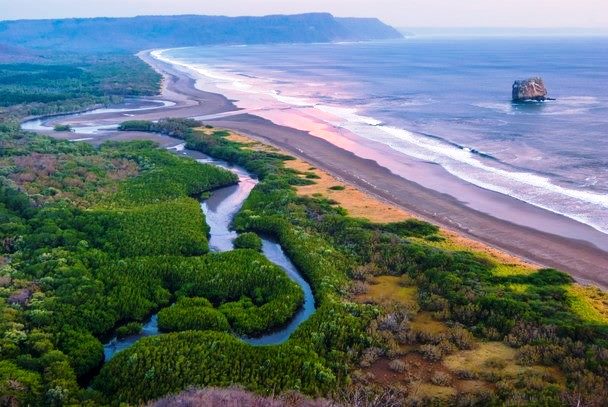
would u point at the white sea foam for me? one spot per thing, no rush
(349, 114)
(568, 105)
(290, 100)
(582, 205)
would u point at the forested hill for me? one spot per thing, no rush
(132, 34)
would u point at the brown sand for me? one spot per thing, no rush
(357, 203)
(363, 205)
(581, 259)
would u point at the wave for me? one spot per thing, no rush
(584, 206)
(567, 105)
(464, 162)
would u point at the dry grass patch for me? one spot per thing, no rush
(357, 203)
(388, 289)
(495, 357)
(249, 143)
(425, 323)
(432, 391)
(483, 357)
(470, 386)
(589, 303)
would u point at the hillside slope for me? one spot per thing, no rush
(132, 34)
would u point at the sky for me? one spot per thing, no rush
(399, 13)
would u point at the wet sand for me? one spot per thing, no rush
(584, 255)
(582, 260)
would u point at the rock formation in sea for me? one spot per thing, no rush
(529, 89)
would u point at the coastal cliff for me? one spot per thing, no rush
(143, 32)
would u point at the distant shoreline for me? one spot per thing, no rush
(585, 262)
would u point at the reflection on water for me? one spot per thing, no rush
(274, 252)
(219, 211)
(116, 345)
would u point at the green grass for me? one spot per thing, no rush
(589, 303)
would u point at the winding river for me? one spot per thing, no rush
(219, 211)
(91, 128)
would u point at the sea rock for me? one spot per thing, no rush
(529, 89)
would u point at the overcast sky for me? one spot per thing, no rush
(401, 13)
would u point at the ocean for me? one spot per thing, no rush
(447, 102)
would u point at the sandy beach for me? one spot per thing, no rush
(541, 237)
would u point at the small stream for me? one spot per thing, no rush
(219, 211)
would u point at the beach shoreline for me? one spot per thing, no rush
(586, 262)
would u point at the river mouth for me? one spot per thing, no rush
(46, 123)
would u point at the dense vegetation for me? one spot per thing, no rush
(93, 240)
(532, 311)
(72, 83)
(254, 295)
(248, 240)
(208, 358)
(192, 314)
(60, 289)
(171, 126)
(62, 127)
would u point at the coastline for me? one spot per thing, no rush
(584, 261)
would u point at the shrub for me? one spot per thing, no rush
(369, 356)
(397, 365)
(462, 338)
(432, 353)
(135, 125)
(192, 314)
(528, 355)
(248, 240)
(495, 363)
(62, 127)
(83, 349)
(132, 328)
(411, 227)
(440, 378)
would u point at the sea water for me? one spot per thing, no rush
(445, 101)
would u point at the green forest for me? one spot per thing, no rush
(93, 240)
(67, 83)
(533, 312)
(63, 279)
